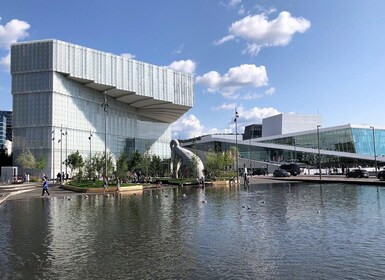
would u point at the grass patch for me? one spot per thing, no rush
(96, 184)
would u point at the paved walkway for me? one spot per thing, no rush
(33, 190)
(28, 190)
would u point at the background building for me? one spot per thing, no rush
(58, 94)
(3, 126)
(345, 146)
(289, 123)
(8, 117)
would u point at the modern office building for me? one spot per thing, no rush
(3, 127)
(8, 116)
(339, 146)
(69, 98)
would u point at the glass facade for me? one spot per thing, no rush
(3, 127)
(344, 145)
(58, 91)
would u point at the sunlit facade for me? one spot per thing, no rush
(58, 90)
(346, 145)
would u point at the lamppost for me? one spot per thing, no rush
(105, 106)
(319, 154)
(374, 151)
(61, 153)
(53, 155)
(89, 138)
(236, 142)
(66, 160)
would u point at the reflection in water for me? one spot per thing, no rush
(282, 231)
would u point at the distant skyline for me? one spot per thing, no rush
(262, 57)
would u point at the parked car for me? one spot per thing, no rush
(381, 175)
(358, 173)
(292, 168)
(281, 173)
(261, 171)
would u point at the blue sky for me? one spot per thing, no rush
(262, 57)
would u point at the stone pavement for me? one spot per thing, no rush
(29, 190)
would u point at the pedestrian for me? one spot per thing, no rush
(45, 187)
(117, 185)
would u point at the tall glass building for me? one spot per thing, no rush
(58, 94)
(3, 127)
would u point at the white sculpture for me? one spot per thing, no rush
(181, 157)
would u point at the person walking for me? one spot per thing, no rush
(45, 187)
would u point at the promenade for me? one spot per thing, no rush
(33, 190)
(29, 190)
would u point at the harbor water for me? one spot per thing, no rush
(265, 231)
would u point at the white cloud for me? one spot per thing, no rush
(255, 95)
(5, 62)
(257, 114)
(128, 55)
(234, 3)
(225, 106)
(187, 66)
(259, 32)
(251, 116)
(190, 126)
(12, 32)
(187, 126)
(178, 50)
(245, 75)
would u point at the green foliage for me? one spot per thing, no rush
(41, 163)
(134, 162)
(122, 167)
(218, 163)
(26, 160)
(75, 161)
(155, 167)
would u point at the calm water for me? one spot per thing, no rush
(281, 231)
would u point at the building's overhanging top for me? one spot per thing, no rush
(156, 92)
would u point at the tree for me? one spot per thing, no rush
(75, 161)
(155, 169)
(122, 167)
(41, 163)
(26, 160)
(134, 161)
(145, 163)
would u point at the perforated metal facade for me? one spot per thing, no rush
(59, 87)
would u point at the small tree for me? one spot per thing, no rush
(122, 167)
(40, 164)
(75, 161)
(26, 160)
(155, 168)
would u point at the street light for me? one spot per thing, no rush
(66, 160)
(374, 150)
(319, 154)
(105, 106)
(61, 153)
(90, 138)
(53, 155)
(236, 141)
